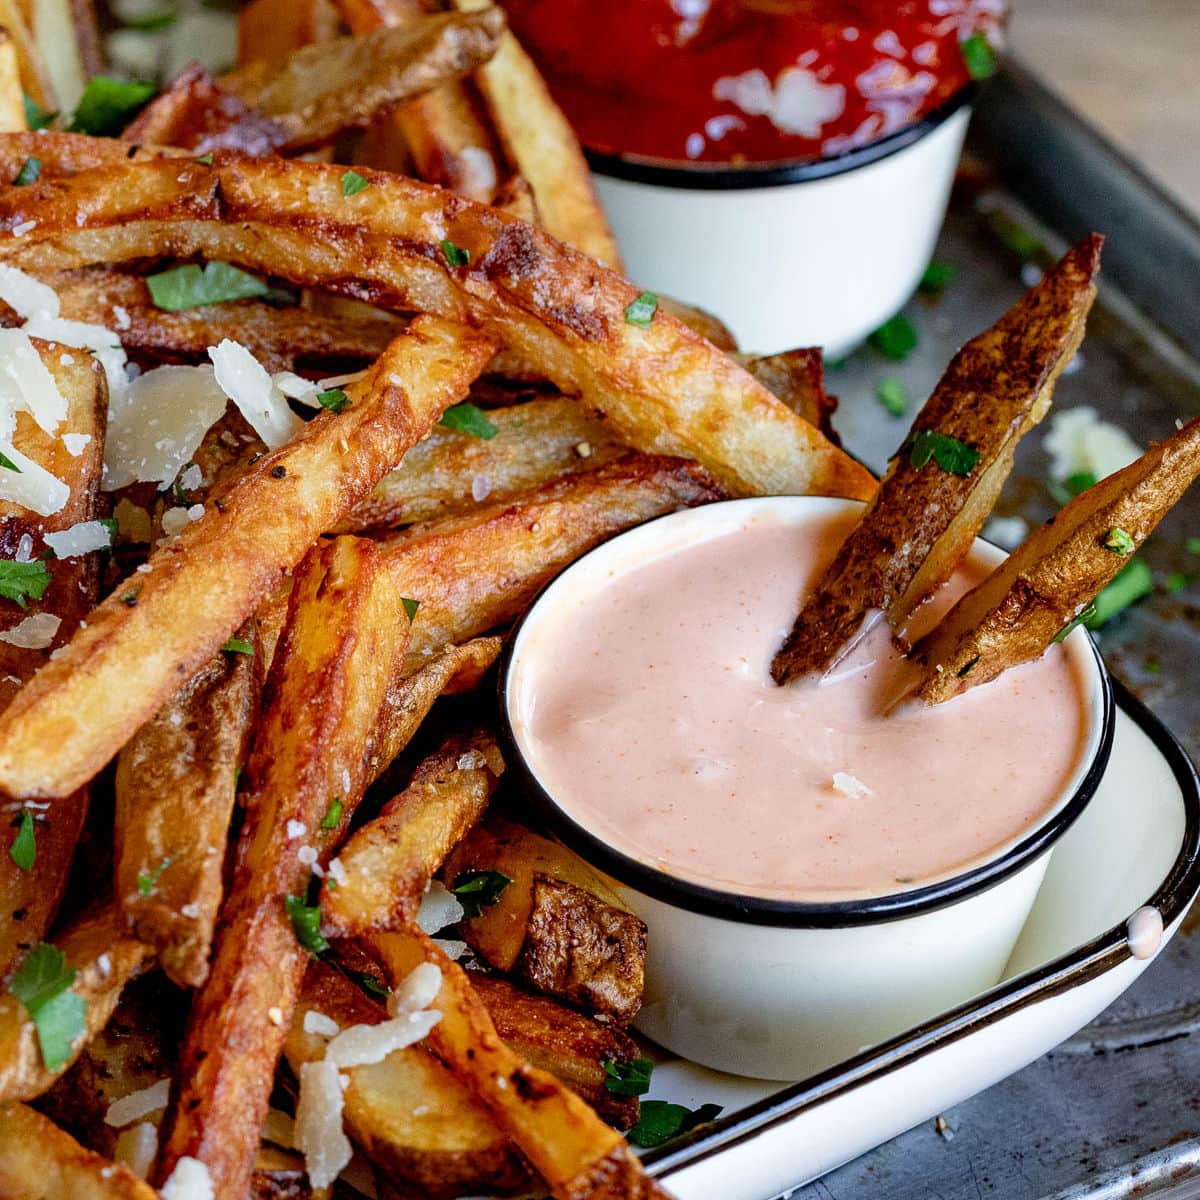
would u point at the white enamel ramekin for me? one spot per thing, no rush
(811, 254)
(779, 989)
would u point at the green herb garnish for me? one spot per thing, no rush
(895, 338)
(23, 851)
(37, 117)
(204, 159)
(1119, 542)
(31, 168)
(893, 395)
(22, 580)
(948, 452)
(1084, 617)
(108, 105)
(333, 399)
(353, 183)
(477, 890)
(1152, 665)
(979, 57)
(456, 256)
(333, 814)
(627, 1078)
(237, 645)
(660, 1122)
(305, 914)
(466, 418)
(192, 287)
(641, 311)
(1193, 545)
(937, 277)
(1176, 581)
(8, 464)
(154, 23)
(410, 607)
(1134, 581)
(42, 984)
(371, 984)
(147, 881)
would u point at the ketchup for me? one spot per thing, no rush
(752, 81)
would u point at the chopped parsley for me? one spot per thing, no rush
(108, 105)
(1193, 545)
(1014, 236)
(410, 606)
(456, 256)
(42, 984)
(113, 526)
(466, 418)
(477, 890)
(23, 580)
(147, 881)
(969, 666)
(305, 915)
(953, 456)
(978, 55)
(333, 399)
(31, 168)
(937, 277)
(23, 851)
(237, 645)
(37, 117)
(641, 311)
(1152, 665)
(333, 814)
(353, 183)
(628, 1078)
(1084, 617)
(371, 984)
(191, 286)
(893, 395)
(204, 159)
(895, 338)
(1134, 581)
(660, 1122)
(1074, 485)
(8, 464)
(1176, 581)
(154, 23)
(1118, 541)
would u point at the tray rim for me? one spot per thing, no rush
(1097, 957)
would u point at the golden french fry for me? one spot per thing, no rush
(666, 390)
(452, 473)
(67, 38)
(38, 1161)
(1014, 614)
(30, 893)
(162, 625)
(925, 516)
(797, 377)
(105, 958)
(175, 786)
(35, 77)
(343, 642)
(389, 861)
(269, 30)
(12, 98)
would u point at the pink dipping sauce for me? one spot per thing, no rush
(645, 708)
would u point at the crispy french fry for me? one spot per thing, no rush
(30, 897)
(409, 1113)
(35, 78)
(391, 859)
(269, 30)
(924, 518)
(175, 787)
(64, 154)
(557, 925)
(1056, 572)
(116, 673)
(797, 378)
(478, 572)
(542, 147)
(344, 640)
(105, 958)
(38, 1161)
(67, 37)
(708, 326)
(12, 99)
(535, 443)
(665, 389)
(569, 1145)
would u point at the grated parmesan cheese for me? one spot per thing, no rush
(245, 381)
(175, 521)
(189, 1181)
(439, 908)
(76, 443)
(27, 383)
(81, 538)
(418, 991)
(137, 1147)
(1079, 442)
(364, 1045)
(36, 632)
(850, 785)
(138, 1104)
(27, 296)
(31, 485)
(318, 1132)
(318, 1023)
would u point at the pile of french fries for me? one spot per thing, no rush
(238, 815)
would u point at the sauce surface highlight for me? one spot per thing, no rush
(646, 709)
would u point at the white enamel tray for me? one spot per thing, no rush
(1138, 843)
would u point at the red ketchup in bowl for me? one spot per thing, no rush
(752, 81)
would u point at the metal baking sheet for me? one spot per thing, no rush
(1115, 1111)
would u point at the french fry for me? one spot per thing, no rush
(38, 1161)
(708, 326)
(64, 154)
(557, 924)
(798, 379)
(105, 958)
(175, 786)
(115, 674)
(35, 78)
(535, 443)
(67, 38)
(12, 99)
(389, 862)
(1044, 585)
(475, 573)
(409, 1113)
(924, 517)
(666, 390)
(345, 637)
(269, 30)
(30, 893)
(574, 1151)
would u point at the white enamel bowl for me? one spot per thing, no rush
(814, 254)
(778, 989)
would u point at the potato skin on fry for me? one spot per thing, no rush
(1014, 614)
(923, 519)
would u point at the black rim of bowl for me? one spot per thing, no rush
(760, 910)
(723, 176)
